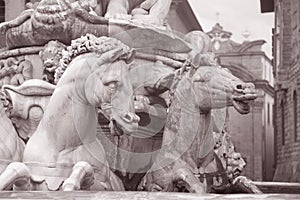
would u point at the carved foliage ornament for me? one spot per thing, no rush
(15, 70)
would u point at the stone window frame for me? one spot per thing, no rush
(295, 31)
(268, 113)
(277, 36)
(295, 115)
(2, 11)
(282, 109)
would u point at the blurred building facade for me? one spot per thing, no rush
(252, 134)
(286, 52)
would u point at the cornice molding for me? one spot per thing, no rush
(265, 86)
(240, 71)
(247, 45)
(239, 54)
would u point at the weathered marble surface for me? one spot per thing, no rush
(188, 143)
(78, 97)
(73, 19)
(62, 133)
(26, 105)
(139, 196)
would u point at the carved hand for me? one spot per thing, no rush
(4, 27)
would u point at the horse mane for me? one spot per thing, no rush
(87, 44)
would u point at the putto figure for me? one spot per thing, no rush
(51, 56)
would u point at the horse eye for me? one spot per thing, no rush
(112, 84)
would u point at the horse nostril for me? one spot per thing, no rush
(128, 118)
(239, 87)
(131, 118)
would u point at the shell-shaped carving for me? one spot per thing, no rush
(26, 127)
(27, 104)
(33, 87)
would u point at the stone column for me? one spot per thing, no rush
(257, 140)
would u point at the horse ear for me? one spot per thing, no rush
(115, 54)
(112, 55)
(162, 85)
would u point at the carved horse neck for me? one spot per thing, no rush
(70, 119)
(68, 112)
(187, 130)
(75, 78)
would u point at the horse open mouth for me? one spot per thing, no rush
(242, 103)
(237, 172)
(241, 107)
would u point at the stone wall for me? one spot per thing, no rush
(288, 92)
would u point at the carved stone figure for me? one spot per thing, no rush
(61, 20)
(15, 70)
(232, 164)
(67, 132)
(73, 19)
(51, 56)
(145, 11)
(187, 150)
(27, 104)
(95, 75)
